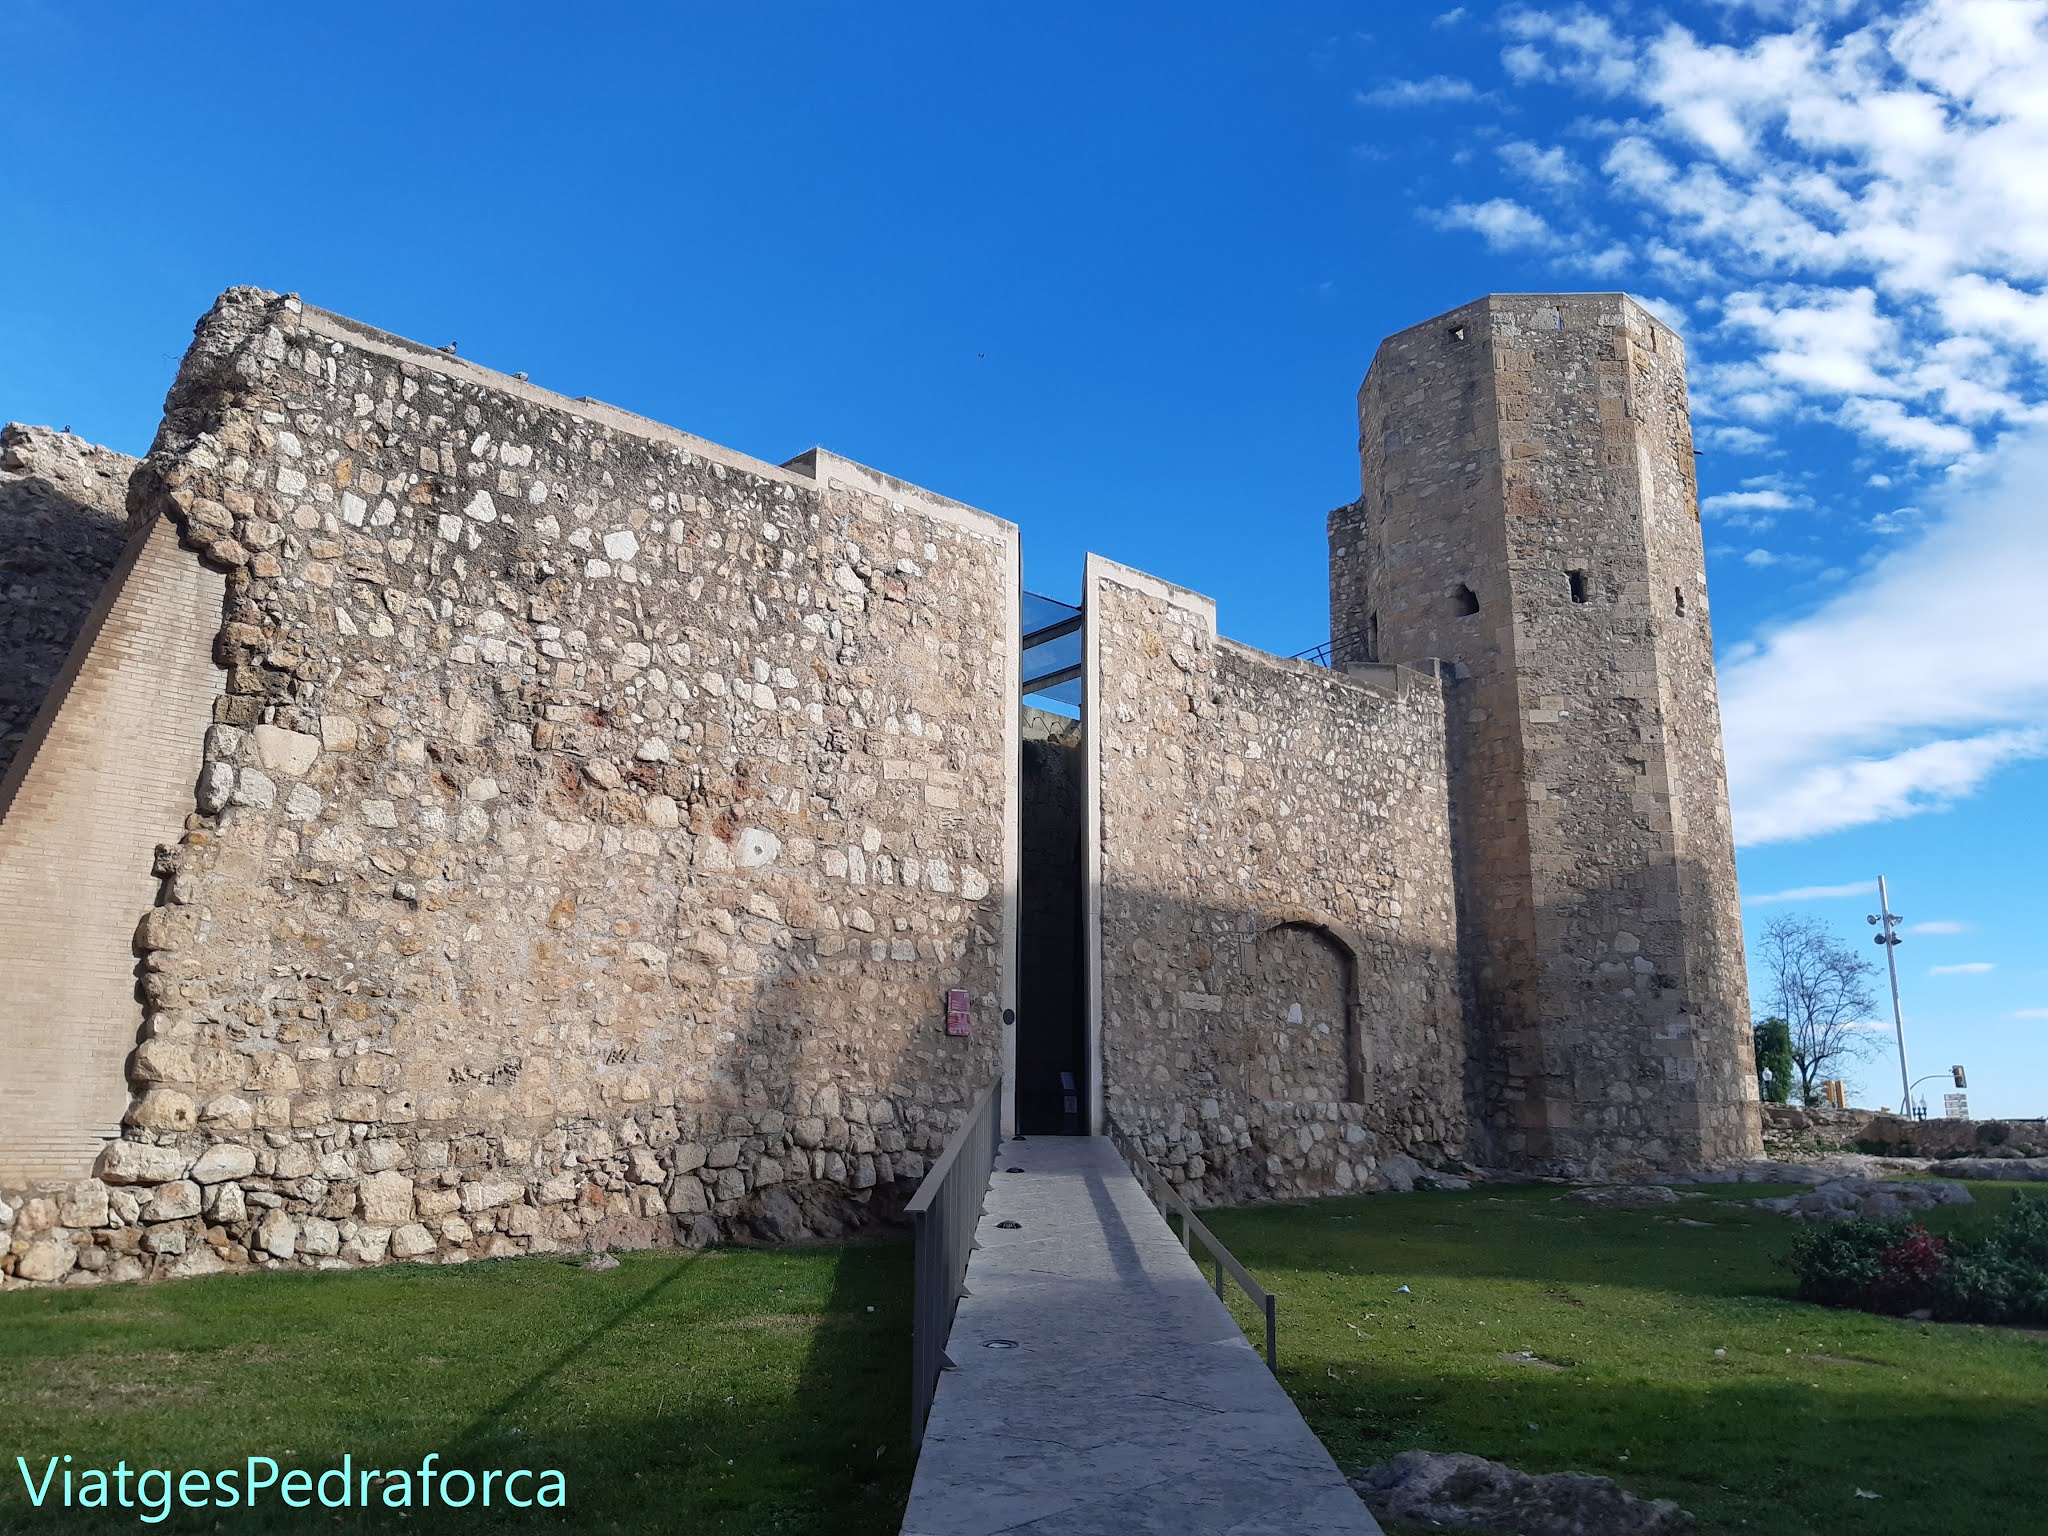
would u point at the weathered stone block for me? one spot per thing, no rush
(83, 1205)
(411, 1241)
(174, 1201)
(224, 1162)
(386, 1199)
(278, 1235)
(46, 1260)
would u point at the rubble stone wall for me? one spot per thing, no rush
(63, 525)
(1529, 515)
(591, 827)
(1279, 993)
(1791, 1128)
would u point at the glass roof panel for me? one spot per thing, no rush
(1044, 612)
(1050, 656)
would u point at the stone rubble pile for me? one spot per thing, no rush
(1469, 1492)
(2024, 1169)
(1843, 1199)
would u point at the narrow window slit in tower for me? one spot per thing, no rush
(1578, 581)
(1679, 594)
(1372, 637)
(1465, 600)
(1457, 333)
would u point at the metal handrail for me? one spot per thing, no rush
(1172, 1203)
(944, 1213)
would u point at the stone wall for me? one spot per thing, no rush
(1279, 999)
(63, 523)
(1529, 516)
(588, 835)
(104, 775)
(1791, 1128)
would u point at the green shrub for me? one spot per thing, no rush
(1876, 1266)
(2004, 1277)
(1891, 1266)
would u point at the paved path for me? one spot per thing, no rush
(1132, 1402)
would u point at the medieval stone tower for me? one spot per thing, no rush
(1529, 517)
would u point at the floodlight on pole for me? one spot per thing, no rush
(1888, 936)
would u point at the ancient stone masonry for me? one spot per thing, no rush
(469, 822)
(1278, 976)
(590, 827)
(1529, 516)
(63, 521)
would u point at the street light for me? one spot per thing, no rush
(1953, 1074)
(1888, 936)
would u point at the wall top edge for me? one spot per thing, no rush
(816, 467)
(1487, 303)
(1102, 568)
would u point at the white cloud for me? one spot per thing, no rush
(1750, 509)
(1735, 439)
(1813, 893)
(1937, 925)
(1967, 968)
(1848, 199)
(1861, 181)
(1551, 168)
(1504, 224)
(1907, 690)
(1450, 18)
(2031, 1013)
(1435, 91)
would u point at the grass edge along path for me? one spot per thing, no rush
(1662, 1348)
(735, 1390)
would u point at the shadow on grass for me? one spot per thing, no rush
(728, 1391)
(1757, 1456)
(1635, 1344)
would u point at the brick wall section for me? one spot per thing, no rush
(1504, 447)
(105, 775)
(1279, 1001)
(63, 525)
(592, 826)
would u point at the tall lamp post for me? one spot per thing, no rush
(1888, 936)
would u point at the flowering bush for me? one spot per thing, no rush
(1898, 1267)
(1876, 1266)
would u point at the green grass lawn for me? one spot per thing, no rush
(749, 1390)
(1672, 1358)
(733, 1390)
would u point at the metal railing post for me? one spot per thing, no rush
(944, 1214)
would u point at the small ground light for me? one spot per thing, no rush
(999, 1344)
(1010, 1226)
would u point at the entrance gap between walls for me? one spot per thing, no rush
(1053, 1068)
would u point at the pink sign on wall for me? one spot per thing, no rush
(958, 1019)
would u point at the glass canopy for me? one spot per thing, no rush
(1052, 650)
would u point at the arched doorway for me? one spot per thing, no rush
(1309, 977)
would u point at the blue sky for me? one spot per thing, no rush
(1116, 271)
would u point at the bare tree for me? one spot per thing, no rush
(1820, 987)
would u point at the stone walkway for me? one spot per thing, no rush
(1131, 1402)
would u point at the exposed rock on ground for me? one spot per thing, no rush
(1883, 1199)
(2031, 1169)
(1457, 1490)
(1821, 1170)
(1625, 1196)
(1401, 1173)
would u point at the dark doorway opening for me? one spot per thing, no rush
(1052, 995)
